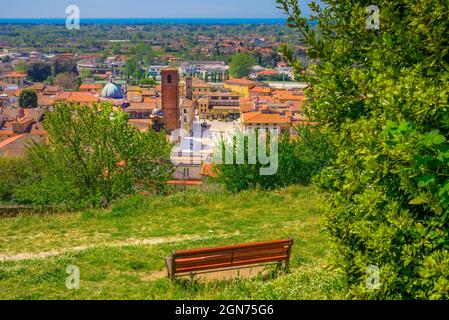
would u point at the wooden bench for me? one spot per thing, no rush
(191, 262)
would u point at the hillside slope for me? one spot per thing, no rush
(120, 250)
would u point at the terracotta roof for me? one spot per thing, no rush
(91, 86)
(171, 68)
(247, 106)
(38, 129)
(201, 84)
(266, 98)
(142, 106)
(241, 82)
(260, 89)
(63, 96)
(186, 102)
(6, 132)
(10, 140)
(25, 120)
(208, 170)
(83, 97)
(45, 101)
(50, 90)
(151, 99)
(268, 73)
(14, 74)
(257, 117)
(141, 124)
(295, 106)
(288, 95)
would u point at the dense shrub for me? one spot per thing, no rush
(299, 160)
(13, 173)
(28, 99)
(384, 95)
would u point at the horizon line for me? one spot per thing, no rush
(270, 18)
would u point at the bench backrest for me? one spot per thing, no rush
(186, 261)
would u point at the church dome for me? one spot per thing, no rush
(111, 91)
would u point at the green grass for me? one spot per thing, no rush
(111, 269)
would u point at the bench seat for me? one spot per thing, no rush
(188, 262)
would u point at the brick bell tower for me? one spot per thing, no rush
(170, 98)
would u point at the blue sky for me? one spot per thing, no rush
(143, 8)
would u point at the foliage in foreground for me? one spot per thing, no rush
(298, 159)
(92, 157)
(384, 94)
(13, 172)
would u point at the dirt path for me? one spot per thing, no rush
(246, 273)
(118, 244)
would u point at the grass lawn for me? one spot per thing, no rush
(119, 250)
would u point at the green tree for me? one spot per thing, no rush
(39, 71)
(85, 73)
(143, 52)
(299, 159)
(6, 59)
(92, 157)
(58, 66)
(383, 94)
(132, 68)
(117, 49)
(28, 99)
(241, 65)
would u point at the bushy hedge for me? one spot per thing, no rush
(299, 158)
(13, 173)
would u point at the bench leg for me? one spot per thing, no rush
(287, 266)
(279, 266)
(169, 265)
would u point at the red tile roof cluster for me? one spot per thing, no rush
(264, 118)
(241, 82)
(14, 74)
(91, 86)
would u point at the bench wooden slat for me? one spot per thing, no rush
(205, 267)
(180, 253)
(203, 261)
(267, 259)
(182, 257)
(228, 257)
(235, 264)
